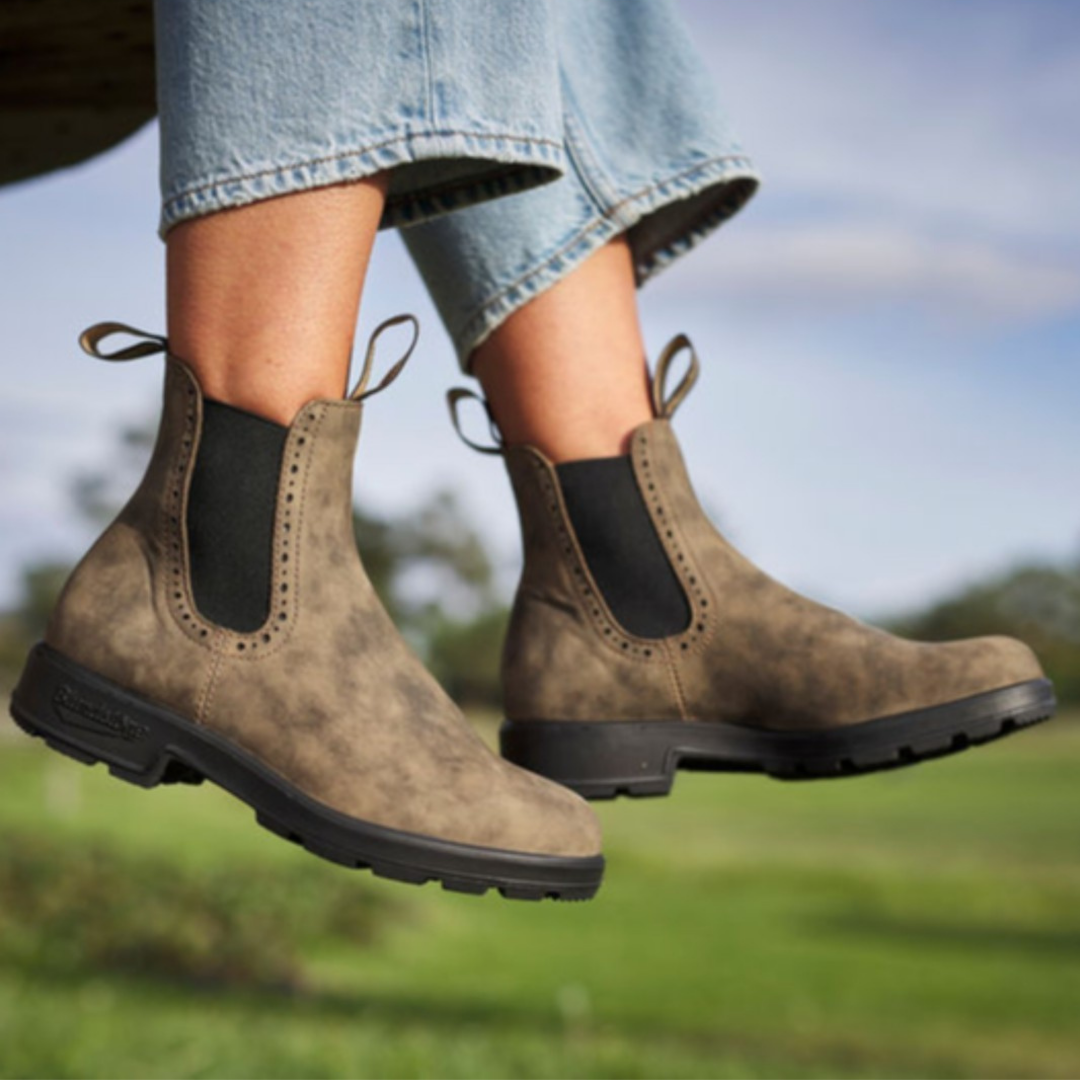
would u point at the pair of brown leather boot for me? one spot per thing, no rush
(318, 715)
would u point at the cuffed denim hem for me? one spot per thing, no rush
(435, 172)
(663, 220)
(685, 209)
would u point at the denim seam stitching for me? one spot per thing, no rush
(279, 169)
(603, 217)
(579, 150)
(422, 11)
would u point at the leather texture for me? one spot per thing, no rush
(327, 693)
(753, 652)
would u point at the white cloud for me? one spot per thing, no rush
(847, 265)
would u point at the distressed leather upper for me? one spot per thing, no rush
(754, 652)
(327, 692)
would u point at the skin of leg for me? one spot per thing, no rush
(262, 300)
(566, 372)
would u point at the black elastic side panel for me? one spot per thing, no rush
(621, 547)
(230, 518)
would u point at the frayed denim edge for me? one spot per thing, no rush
(528, 162)
(613, 220)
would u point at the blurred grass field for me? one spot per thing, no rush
(918, 923)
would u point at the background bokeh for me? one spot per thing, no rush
(887, 419)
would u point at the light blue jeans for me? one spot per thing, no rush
(521, 134)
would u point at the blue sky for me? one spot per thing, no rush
(890, 398)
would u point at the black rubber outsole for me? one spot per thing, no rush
(92, 720)
(604, 758)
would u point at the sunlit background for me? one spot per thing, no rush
(889, 331)
(888, 417)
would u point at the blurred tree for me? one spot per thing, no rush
(1038, 604)
(427, 562)
(98, 495)
(40, 586)
(437, 580)
(465, 656)
(24, 623)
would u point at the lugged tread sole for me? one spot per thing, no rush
(91, 719)
(602, 759)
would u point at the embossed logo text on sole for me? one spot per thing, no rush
(79, 711)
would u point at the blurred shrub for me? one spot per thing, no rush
(433, 572)
(66, 904)
(1038, 604)
(465, 657)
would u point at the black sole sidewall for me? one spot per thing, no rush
(605, 757)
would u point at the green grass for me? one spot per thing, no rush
(918, 923)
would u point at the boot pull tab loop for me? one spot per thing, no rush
(664, 406)
(360, 391)
(459, 394)
(90, 340)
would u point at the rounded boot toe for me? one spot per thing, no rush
(545, 818)
(998, 661)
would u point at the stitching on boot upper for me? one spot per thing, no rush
(173, 511)
(296, 464)
(702, 620)
(609, 631)
(202, 710)
(288, 528)
(676, 681)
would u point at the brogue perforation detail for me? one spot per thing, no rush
(283, 604)
(274, 631)
(610, 632)
(700, 620)
(177, 584)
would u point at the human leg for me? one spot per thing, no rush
(566, 373)
(262, 300)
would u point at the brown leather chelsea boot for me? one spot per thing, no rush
(273, 670)
(642, 642)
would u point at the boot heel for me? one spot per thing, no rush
(83, 717)
(597, 759)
